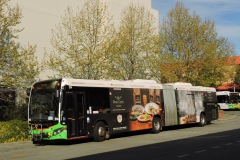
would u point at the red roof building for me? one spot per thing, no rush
(236, 60)
(230, 86)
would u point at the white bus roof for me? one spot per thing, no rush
(190, 87)
(112, 83)
(179, 84)
(138, 83)
(219, 93)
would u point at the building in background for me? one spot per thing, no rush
(231, 83)
(41, 16)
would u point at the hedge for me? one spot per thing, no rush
(14, 131)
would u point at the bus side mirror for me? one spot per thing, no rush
(66, 87)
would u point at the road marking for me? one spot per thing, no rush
(215, 147)
(185, 155)
(20, 155)
(200, 151)
(228, 144)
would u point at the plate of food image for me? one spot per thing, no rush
(144, 118)
(152, 108)
(138, 109)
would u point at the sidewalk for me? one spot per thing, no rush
(222, 115)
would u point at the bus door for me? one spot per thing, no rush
(74, 105)
(80, 114)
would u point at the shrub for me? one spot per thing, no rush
(13, 131)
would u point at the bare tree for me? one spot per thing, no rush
(81, 42)
(134, 44)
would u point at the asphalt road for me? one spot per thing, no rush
(219, 140)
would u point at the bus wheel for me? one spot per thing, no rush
(202, 120)
(208, 122)
(99, 132)
(156, 125)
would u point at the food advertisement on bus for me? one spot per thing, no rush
(139, 105)
(146, 104)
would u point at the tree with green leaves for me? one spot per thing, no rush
(18, 65)
(81, 42)
(236, 74)
(134, 45)
(192, 50)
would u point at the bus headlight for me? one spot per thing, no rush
(57, 131)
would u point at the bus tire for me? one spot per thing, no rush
(99, 132)
(208, 122)
(202, 120)
(156, 125)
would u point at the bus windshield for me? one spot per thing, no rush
(43, 106)
(234, 98)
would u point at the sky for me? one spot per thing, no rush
(225, 14)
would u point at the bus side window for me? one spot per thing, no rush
(99, 100)
(70, 114)
(106, 110)
(102, 109)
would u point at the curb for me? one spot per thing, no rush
(227, 117)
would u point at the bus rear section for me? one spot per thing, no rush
(186, 104)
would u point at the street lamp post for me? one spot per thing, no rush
(234, 78)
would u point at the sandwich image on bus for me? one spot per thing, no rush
(68, 109)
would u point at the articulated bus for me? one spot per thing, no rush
(68, 109)
(228, 100)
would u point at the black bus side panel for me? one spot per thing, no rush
(210, 105)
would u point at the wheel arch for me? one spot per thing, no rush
(203, 119)
(104, 121)
(158, 127)
(162, 120)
